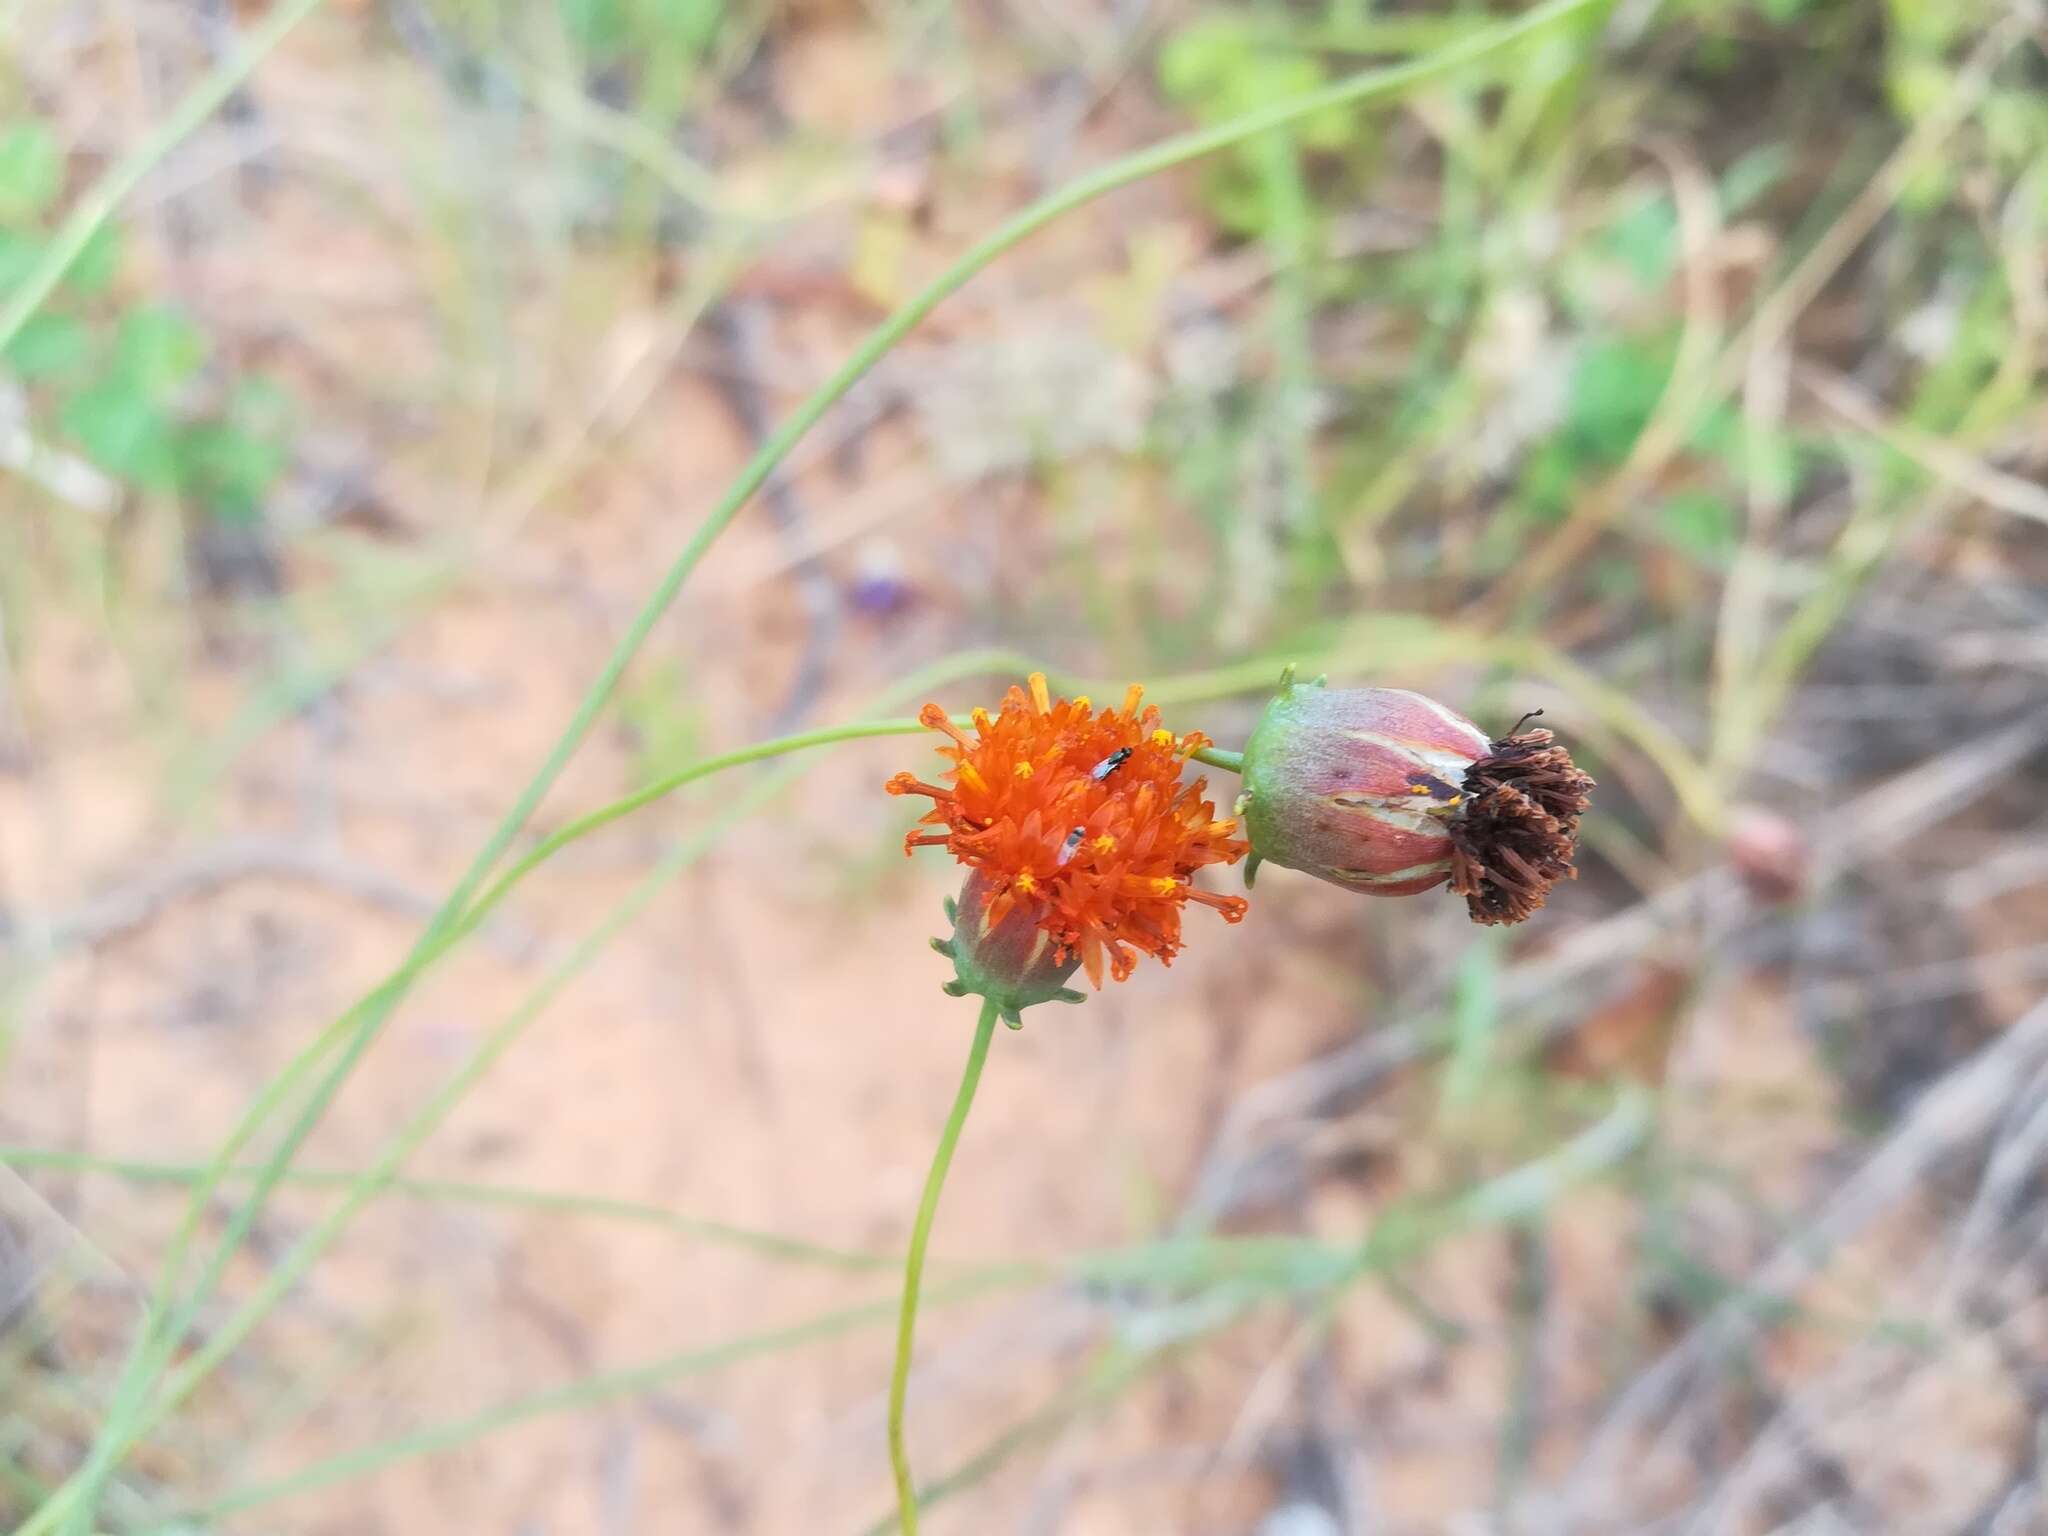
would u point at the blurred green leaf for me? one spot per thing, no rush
(48, 346)
(125, 433)
(1615, 386)
(1931, 25)
(1719, 434)
(31, 172)
(1751, 176)
(1224, 66)
(1234, 196)
(1645, 240)
(1771, 457)
(227, 471)
(1771, 460)
(228, 467)
(1545, 491)
(157, 350)
(18, 256)
(592, 25)
(1202, 61)
(1983, 332)
(692, 23)
(2015, 128)
(1919, 86)
(97, 263)
(1699, 523)
(641, 29)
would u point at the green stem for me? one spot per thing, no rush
(913, 1264)
(1216, 757)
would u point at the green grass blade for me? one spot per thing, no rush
(604, 1387)
(766, 1245)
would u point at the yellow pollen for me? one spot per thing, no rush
(971, 777)
(1041, 700)
(980, 717)
(1165, 886)
(1024, 885)
(1082, 701)
(1162, 738)
(1222, 828)
(1023, 770)
(1104, 844)
(1418, 789)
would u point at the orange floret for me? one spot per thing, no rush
(1081, 816)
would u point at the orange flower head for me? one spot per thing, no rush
(1075, 823)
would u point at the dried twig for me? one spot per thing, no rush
(1953, 1114)
(123, 910)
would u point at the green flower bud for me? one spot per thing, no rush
(1013, 962)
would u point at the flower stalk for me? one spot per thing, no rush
(1081, 840)
(913, 1264)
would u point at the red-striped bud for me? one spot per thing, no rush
(1387, 792)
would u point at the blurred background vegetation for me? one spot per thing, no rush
(1679, 371)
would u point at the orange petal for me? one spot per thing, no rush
(1233, 908)
(1091, 957)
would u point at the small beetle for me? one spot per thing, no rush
(1109, 764)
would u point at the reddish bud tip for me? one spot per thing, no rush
(1770, 853)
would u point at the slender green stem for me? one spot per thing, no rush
(764, 1244)
(913, 1263)
(601, 1387)
(1217, 757)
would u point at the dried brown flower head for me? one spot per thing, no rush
(1515, 832)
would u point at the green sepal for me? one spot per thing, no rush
(1011, 967)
